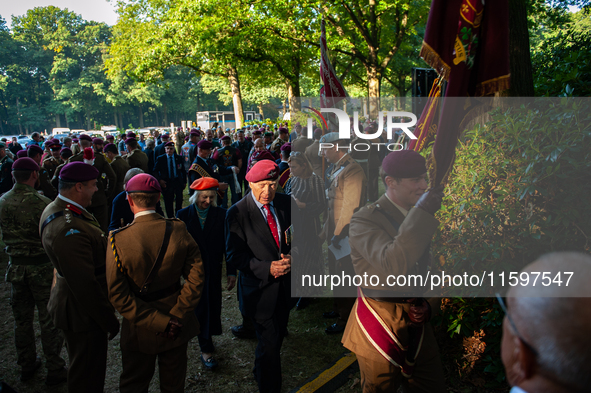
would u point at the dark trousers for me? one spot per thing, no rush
(270, 333)
(236, 194)
(138, 370)
(173, 198)
(343, 297)
(206, 344)
(87, 352)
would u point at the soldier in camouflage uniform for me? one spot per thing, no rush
(52, 161)
(277, 143)
(30, 272)
(5, 165)
(44, 183)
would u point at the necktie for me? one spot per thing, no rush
(272, 224)
(171, 168)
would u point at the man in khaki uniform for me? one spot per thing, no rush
(78, 304)
(345, 190)
(312, 154)
(44, 184)
(106, 183)
(53, 160)
(136, 158)
(391, 237)
(144, 270)
(119, 165)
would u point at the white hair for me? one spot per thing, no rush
(193, 198)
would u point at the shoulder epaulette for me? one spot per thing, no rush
(173, 219)
(114, 231)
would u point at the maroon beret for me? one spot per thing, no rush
(21, 154)
(131, 134)
(35, 149)
(143, 183)
(85, 137)
(262, 155)
(109, 137)
(97, 141)
(263, 170)
(317, 133)
(75, 140)
(204, 144)
(165, 136)
(130, 140)
(66, 152)
(168, 144)
(25, 164)
(187, 138)
(404, 164)
(194, 133)
(257, 132)
(283, 130)
(77, 172)
(193, 130)
(226, 138)
(286, 147)
(55, 146)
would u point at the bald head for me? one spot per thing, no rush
(555, 320)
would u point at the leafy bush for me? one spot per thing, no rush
(520, 188)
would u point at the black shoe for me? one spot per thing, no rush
(330, 314)
(29, 372)
(210, 364)
(334, 329)
(302, 303)
(240, 332)
(57, 377)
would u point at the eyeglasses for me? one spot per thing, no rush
(504, 307)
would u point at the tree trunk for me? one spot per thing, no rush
(236, 95)
(121, 120)
(58, 123)
(522, 83)
(165, 115)
(87, 121)
(261, 111)
(293, 96)
(141, 117)
(374, 79)
(156, 114)
(67, 121)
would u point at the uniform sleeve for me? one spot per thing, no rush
(353, 185)
(124, 300)
(392, 256)
(194, 275)
(78, 270)
(112, 178)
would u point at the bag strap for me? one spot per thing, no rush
(159, 259)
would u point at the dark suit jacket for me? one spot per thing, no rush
(159, 150)
(250, 248)
(161, 170)
(212, 244)
(150, 154)
(121, 213)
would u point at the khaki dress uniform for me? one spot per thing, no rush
(106, 186)
(120, 167)
(45, 184)
(138, 159)
(379, 248)
(134, 249)
(78, 305)
(346, 184)
(50, 164)
(316, 161)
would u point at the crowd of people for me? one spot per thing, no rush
(87, 238)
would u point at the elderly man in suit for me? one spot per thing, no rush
(257, 244)
(144, 269)
(169, 169)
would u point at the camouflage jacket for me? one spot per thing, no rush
(20, 211)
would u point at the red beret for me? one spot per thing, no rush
(226, 138)
(169, 144)
(21, 154)
(404, 164)
(262, 155)
(77, 172)
(283, 130)
(205, 183)
(35, 149)
(130, 140)
(85, 137)
(143, 183)
(97, 141)
(286, 147)
(25, 164)
(204, 144)
(263, 170)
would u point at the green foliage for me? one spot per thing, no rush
(519, 188)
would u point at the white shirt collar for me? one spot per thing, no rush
(517, 389)
(143, 213)
(71, 202)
